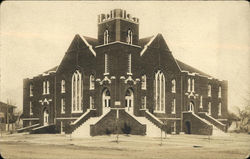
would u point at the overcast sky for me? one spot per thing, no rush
(211, 36)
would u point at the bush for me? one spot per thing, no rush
(126, 129)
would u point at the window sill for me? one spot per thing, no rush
(143, 88)
(130, 74)
(157, 111)
(77, 111)
(106, 74)
(173, 112)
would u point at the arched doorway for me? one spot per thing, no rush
(188, 127)
(129, 100)
(106, 100)
(45, 117)
(191, 106)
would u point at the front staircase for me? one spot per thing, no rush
(83, 129)
(152, 129)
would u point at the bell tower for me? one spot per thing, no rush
(118, 26)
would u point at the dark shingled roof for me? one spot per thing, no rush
(52, 69)
(2, 104)
(185, 67)
(91, 41)
(142, 42)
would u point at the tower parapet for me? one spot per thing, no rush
(117, 14)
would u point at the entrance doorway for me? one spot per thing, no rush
(188, 127)
(191, 106)
(129, 100)
(106, 100)
(45, 117)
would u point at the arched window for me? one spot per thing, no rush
(209, 90)
(219, 92)
(144, 82)
(173, 86)
(31, 89)
(173, 110)
(159, 92)
(91, 102)
(130, 37)
(105, 63)
(62, 105)
(201, 101)
(77, 92)
(191, 107)
(31, 108)
(209, 108)
(144, 102)
(47, 87)
(219, 109)
(129, 63)
(106, 100)
(63, 86)
(106, 37)
(91, 82)
(44, 87)
(192, 85)
(189, 85)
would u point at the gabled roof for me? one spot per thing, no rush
(51, 70)
(190, 69)
(142, 42)
(2, 104)
(91, 41)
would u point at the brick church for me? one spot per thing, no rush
(121, 83)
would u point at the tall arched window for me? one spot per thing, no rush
(192, 85)
(106, 37)
(77, 92)
(31, 89)
(130, 37)
(209, 90)
(144, 82)
(219, 93)
(173, 86)
(201, 105)
(106, 64)
(91, 82)
(47, 87)
(63, 86)
(159, 92)
(219, 109)
(189, 85)
(209, 108)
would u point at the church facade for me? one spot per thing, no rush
(121, 83)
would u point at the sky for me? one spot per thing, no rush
(211, 36)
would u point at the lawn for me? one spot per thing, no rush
(54, 146)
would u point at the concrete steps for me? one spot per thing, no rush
(151, 129)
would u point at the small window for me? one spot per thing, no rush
(219, 93)
(192, 85)
(105, 63)
(44, 87)
(201, 98)
(47, 87)
(144, 102)
(129, 63)
(173, 86)
(209, 90)
(106, 37)
(209, 108)
(173, 106)
(144, 82)
(219, 109)
(130, 37)
(31, 108)
(63, 86)
(31, 90)
(189, 85)
(91, 82)
(91, 102)
(63, 105)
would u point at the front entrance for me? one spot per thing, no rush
(129, 100)
(191, 107)
(45, 117)
(188, 127)
(106, 101)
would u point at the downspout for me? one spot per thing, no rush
(181, 103)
